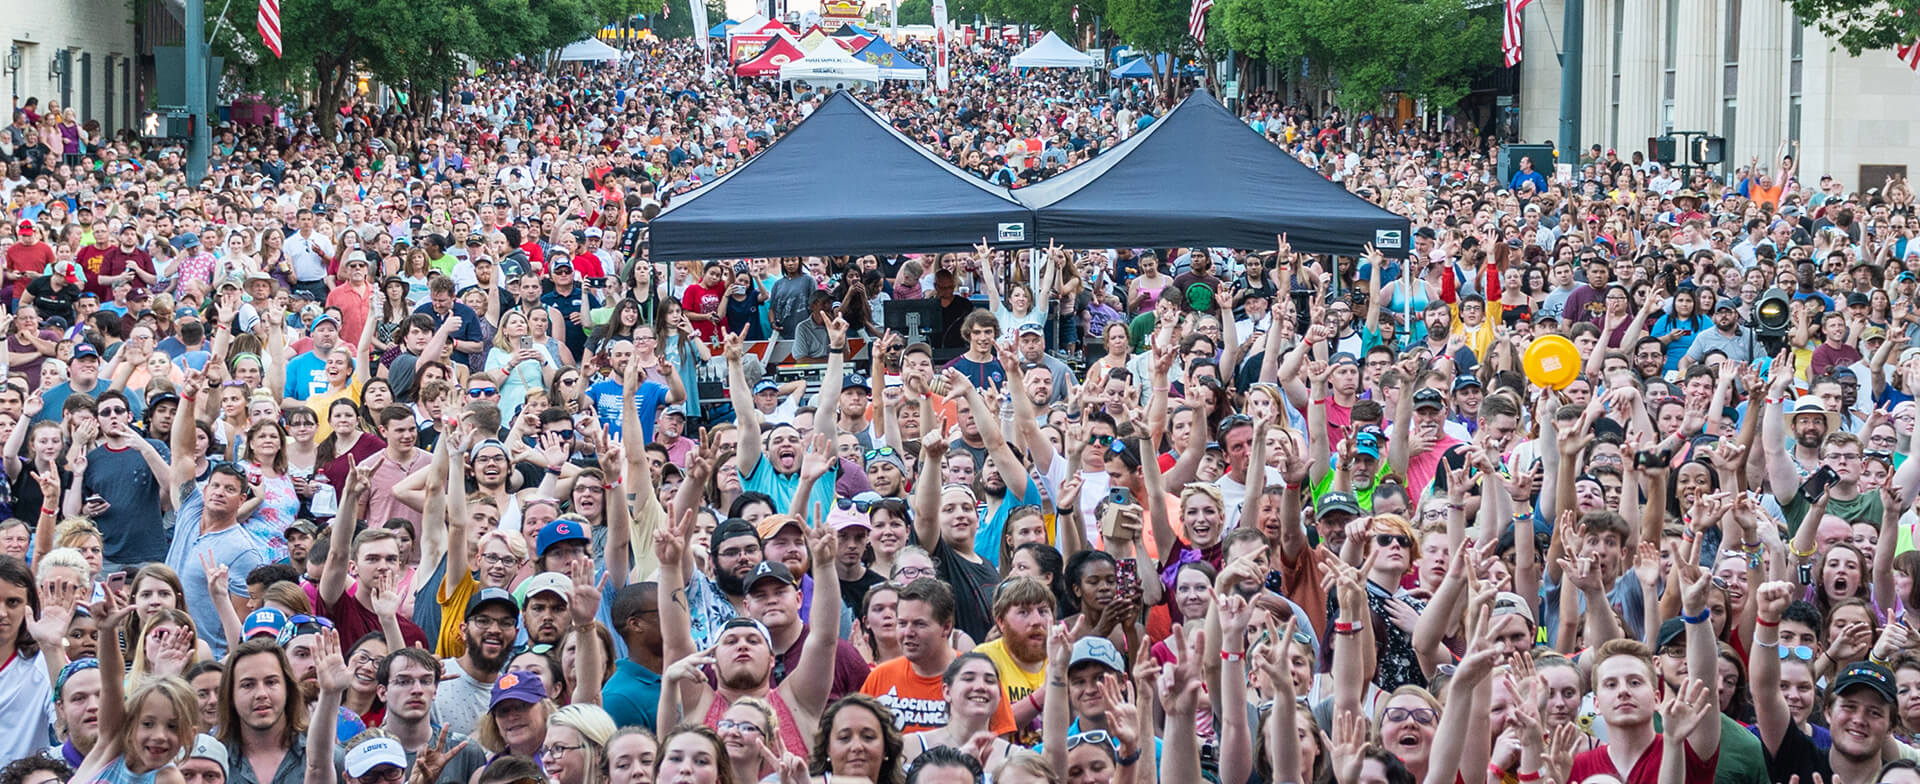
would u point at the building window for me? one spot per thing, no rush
(1619, 37)
(1798, 47)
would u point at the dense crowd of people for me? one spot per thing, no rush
(384, 453)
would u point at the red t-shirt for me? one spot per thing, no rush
(32, 259)
(1646, 770)
(353, 620)
(700, 299)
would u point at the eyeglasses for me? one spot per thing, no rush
(910, 573)
(738, 726)
(480, 392)
(114, 411)
(500, 560)
(309, 624)
(384, 773)
(485, 622)
(557, 749)
(1096, 736)
(1802, 652)
(1382, 540)
(1418, 715)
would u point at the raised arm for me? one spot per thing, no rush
(813, 676)
(1770, 714)
(333, 578)
(333, 675)
(926, 491)
(744, 414)
(589, 660)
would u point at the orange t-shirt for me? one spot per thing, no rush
(920, 704)
(1766, 197)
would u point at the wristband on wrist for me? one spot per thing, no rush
(1533, 776)
(1495, 771)
(1766, 623)
(1705, 613)
(1232, 656)
(1797, 554)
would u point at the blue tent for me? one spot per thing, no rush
(850, 30)
(893, 64)
(1138, 68)
(720, 30)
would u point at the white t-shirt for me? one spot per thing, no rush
(1234, 494)
(26, 692)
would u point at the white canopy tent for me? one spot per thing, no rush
(830, 66)
(1051, 52)
(751, 24)
(588, 50)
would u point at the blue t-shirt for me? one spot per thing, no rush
(130, 529)
(469, 327)
(56, 398)
(306, 376)
(234, 547)
(782, 487)
(1678, 348)
(610, 398)
(980, 373)
(986, 540)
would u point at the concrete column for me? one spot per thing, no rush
(1596, 97)
(1760, 116)
(1697, 74)
(1640, 73)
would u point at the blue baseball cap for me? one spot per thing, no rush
(265, 622)
(559, 531)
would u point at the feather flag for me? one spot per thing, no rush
(940, 75)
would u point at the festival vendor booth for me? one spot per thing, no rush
(588, 50)
(1051, 52)
(767, 61)
(1140, 68)
(893, 64)
(830, 67)
(854, 36)
(795, 198)
(1199, 177)
(720, 30)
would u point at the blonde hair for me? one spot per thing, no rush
(487, 731)
(595, 727)
(74, 530)
(179, 696)
(765, 710)
(60, 557)
(1031, 763)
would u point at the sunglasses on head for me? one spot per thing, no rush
(845, 504)
(884, 451)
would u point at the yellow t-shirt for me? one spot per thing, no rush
(456, 589)
(1015, 680)
(323, 401)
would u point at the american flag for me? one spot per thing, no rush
(269, 24)
(1197, 21)
(1510, 33)
(1910, 54)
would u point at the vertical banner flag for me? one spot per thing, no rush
(1197, 21)
(697, 10)
(268, 23)
(941, 78)
(1510, 32)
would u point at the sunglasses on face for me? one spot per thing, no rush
(1383, 540)
(480, 392)
(1097, 736)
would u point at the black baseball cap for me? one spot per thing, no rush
(486, 596)
(1870, 675)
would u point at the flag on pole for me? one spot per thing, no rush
(1197, 21)
(268, 23)
(1910, 54)
(1076, 13)
(941, 78)
(1510, 33)
(697, 10)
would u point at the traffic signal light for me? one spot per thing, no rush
(1708, 150)
(1661, 149)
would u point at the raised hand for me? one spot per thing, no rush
(1686, 708)
(670, 540)
(331, 665)
(169, 651)
(689, 669)
(1350, 733)
(1772, 599)
(584, 601)
(433, 759)
(58, 598)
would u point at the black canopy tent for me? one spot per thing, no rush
(1201, 177)
(841, 182)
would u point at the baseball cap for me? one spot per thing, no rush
(85, 350)
(856, 381)
(264, 622)
(1098, 650)
(326, 318)
(846, 515)
(372, 753)
(766, 385)
(1510, 603)
(559, 531)
(1867, 674)
(1367, 444)
(207, 748)
(548, 582)
(1336, 502)
(1728, 303)
(1670, 630)
(1031, 328)
(1428, 398)
(517, 685)
(731, 528)
(771, 570)
(1465, 380)
(773, 524)
(491, 595)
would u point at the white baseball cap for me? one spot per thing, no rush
(373, 753)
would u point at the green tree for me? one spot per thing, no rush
(1151, 26)
(1861, 25)
(1366, 49)
(914, 12)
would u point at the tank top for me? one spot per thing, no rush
(789, 728)
(116, 773)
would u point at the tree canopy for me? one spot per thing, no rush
(1365, 49)
(1861, 25)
